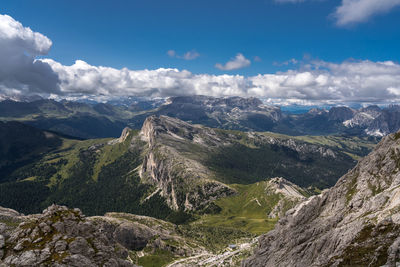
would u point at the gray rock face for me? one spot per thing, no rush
(131, 237)
(60, 237)
(340, 113)
(183, 181)
(355, 223)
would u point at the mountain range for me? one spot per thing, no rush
(208, 176)
(166, 168)
(97, 120)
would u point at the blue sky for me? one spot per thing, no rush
(284, 51)
(138, 34)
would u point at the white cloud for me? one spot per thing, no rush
(355, 11)
(235, 63)
(190, 55)
(323, 81)
(318, 81)
(19, 71)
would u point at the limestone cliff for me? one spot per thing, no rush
(183, 180)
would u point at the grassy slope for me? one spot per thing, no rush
(355, 147)
(247, 210)
(250, 159)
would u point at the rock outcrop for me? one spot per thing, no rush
(355, 223)
(59, 237)
(65, 237)
(291, 195)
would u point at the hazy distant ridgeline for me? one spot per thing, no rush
(97, 120)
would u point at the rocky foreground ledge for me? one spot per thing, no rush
(57, 237)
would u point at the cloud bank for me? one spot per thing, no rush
(318, 81)
(350, 81)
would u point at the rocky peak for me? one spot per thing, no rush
(155, 126)
(340, 113)
(373, 109)
(355, 223)
(164, 127)
(124, 135)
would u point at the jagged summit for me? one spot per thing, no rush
(355, 223)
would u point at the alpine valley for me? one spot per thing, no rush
(197, 181)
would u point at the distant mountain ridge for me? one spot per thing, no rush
(94, 120)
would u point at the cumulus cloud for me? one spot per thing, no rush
(321, 81)
(235, 63)
(190, 55)
(317, 81)
(355, 11)
(19, 71)
(82, 78)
